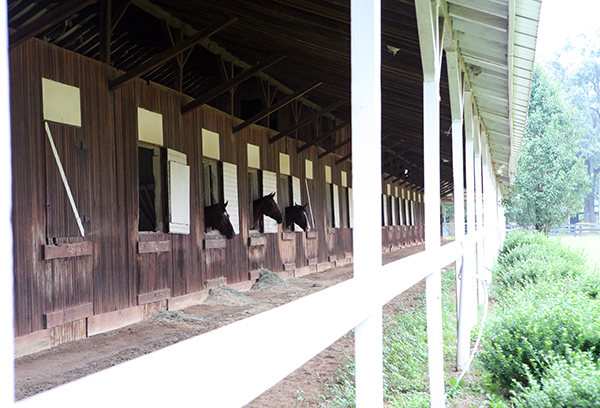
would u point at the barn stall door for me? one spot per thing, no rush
(67, 251)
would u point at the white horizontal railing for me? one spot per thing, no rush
(231, 366)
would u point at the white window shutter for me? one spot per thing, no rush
(230, 194)
(179, 192)
(350, 207)
(270, 186)
(393, 200)
(412, 213)
(296, 191)
(336, 205)
(400, 211)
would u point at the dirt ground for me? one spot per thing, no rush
(47, 369)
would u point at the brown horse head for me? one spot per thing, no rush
(266, 205)
(216, 217)
(297, 214)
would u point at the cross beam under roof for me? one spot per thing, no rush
(323, 136)
(50, 19)
(169, 54)
(280, 104)
(307, 120)
(225, 86)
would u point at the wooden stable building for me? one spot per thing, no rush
(131, 119)
(112, 171)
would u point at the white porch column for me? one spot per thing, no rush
(463, 289)
(430, 42)
(479, 208)
(469, 307)
(6, 254)
(366, 184)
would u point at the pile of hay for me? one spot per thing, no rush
(268, 280)
(224, 296)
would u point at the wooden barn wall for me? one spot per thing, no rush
(100, 160)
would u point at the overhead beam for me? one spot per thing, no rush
(225, 86)
(280, 104)
(119, 14)
(105, 30)
(168, 54)
(307, 120)
(48, 20)
(334, 148)
(323, 136)
(343, 159)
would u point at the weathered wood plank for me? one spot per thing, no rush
(151, 247)
(215, 243)
(68, 315)
(67, 250)
(155, 296)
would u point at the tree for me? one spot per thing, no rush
(577, 68)
(551, 180)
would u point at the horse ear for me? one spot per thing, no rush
(225, 205)
(272, 194)
(305, 205)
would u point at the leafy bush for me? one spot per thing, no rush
(529, 258)
(538, 324)
(570, 382)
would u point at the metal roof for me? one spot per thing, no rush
(497, 41)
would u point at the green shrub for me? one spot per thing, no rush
(569, 382)
(529, 258)
(537, 324)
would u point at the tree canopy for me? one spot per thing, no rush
(551, 180)
(577, 68)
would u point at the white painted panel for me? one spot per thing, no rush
(351, 207)
(296, 191)
(402, 191)
(270, 186)
(407, 212)
(344, 179)
(412, 213)
(62, 103)
(210, 144)
(253, 156)
(328, 174)
(336, 205)
(179, 195)
(230, 194)
(150, 127)
(395, 191)
(394, 210)
(308, 169)
(389, 189)
(284, 164)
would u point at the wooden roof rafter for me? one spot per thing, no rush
(323, 136)
(172, 52)
(47, 21)
(278, 105)
(307, 120)
(224, 87)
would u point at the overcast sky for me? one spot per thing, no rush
(561, 19)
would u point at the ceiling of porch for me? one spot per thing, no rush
(496, 40)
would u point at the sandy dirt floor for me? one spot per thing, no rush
(67, 362)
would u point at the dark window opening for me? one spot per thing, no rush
(150, 187)
(213, 182)
(285, 197)
(329, 206)
(255, 192)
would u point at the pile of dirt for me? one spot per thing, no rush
(268, 280)
(224, 296)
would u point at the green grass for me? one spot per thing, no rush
(406, 361)
(589, 244)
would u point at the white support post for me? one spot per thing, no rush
(6, 253)
(366, 183)
(463, 291)
(479, 209)
(469, 307)
(430, 42)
